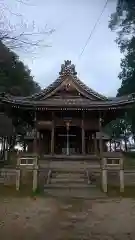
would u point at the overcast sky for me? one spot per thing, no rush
(73, 21)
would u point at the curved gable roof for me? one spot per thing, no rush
(68, 70)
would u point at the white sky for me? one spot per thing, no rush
(73, 20)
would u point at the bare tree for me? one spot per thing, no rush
(21, 34)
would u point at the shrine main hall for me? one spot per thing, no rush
(67, 118)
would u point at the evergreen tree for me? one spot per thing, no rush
(15, 77)
(123, 21)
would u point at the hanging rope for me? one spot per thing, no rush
(93, 29)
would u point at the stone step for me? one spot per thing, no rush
(67, 180)
(68, 170)
(69, 185)
(85, 193)
(68, 176)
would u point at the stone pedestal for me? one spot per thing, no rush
(104, 180)
(18, 175)
(121, 180)
(104, 174)
(121, 175)
(35, 179)
(27, 167)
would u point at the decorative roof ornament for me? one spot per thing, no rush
(67, 69)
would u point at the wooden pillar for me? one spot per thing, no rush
(52, 135)
(95, 143)
(39, 143)
(110, 143)
(100, 137)
(5, 150)
(83, 135)
(35, 134)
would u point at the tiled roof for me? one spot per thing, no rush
(68, 69)
(58, 81)
(71, 103)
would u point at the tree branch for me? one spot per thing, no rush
(21, 35)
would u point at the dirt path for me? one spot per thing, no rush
(57, 219)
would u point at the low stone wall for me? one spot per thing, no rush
(7, 176)
(113, 178)
(129, 178)
(42, 177)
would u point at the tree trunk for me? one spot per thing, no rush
(133, 136)
(120, 146)
(24, 146)
(6, 150)
(110, 145)
(130, 145)
(2, 147)
(2, 144)
(115, 145)
(125, 141)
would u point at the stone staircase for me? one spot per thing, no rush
(68, 179)
(71, 183)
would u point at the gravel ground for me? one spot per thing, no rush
(59, 219)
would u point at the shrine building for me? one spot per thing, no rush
(67, 118)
